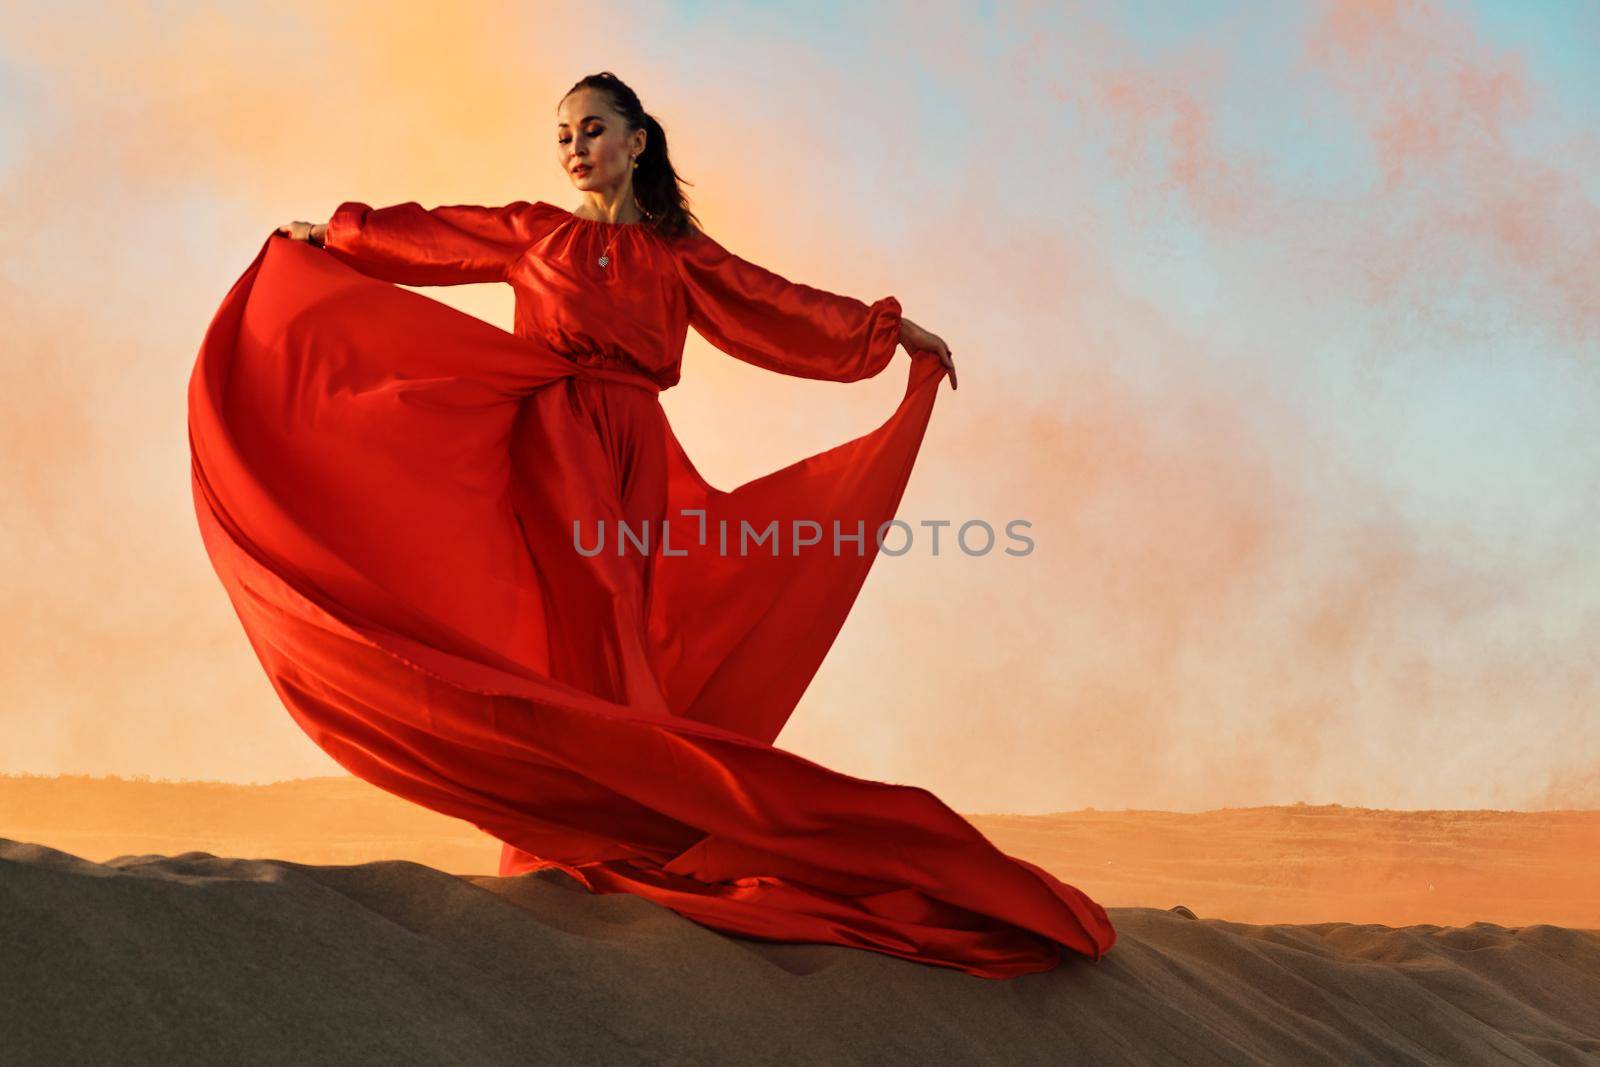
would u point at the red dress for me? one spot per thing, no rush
(402, 502)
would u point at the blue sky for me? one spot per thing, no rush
(1277, 319)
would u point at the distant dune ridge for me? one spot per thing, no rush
(1296, 863)
(199, 959)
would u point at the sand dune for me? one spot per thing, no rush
(308, 820)
(1322, 863)
(195, 958)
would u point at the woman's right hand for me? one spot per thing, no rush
(315, 233)
(916, 339)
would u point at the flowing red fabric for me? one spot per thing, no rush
(402, 500)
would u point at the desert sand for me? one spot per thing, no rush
(315, 921)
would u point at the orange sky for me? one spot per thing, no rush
(1298, 429)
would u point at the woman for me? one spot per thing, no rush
(403, 503)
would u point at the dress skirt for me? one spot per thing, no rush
(387, 488)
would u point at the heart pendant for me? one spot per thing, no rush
(604, 260)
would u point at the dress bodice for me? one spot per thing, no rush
(635, 310)
(632, 310)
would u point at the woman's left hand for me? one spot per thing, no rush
(916, 339)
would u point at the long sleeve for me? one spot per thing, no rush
(759, 317)
(448, 245)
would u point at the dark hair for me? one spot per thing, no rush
(655, 182)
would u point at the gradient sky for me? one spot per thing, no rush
(1279, 322)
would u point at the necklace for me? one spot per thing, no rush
(605, 257)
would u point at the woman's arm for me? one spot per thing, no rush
(760, 317)
(448, 245)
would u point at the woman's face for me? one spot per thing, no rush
(594, 144)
